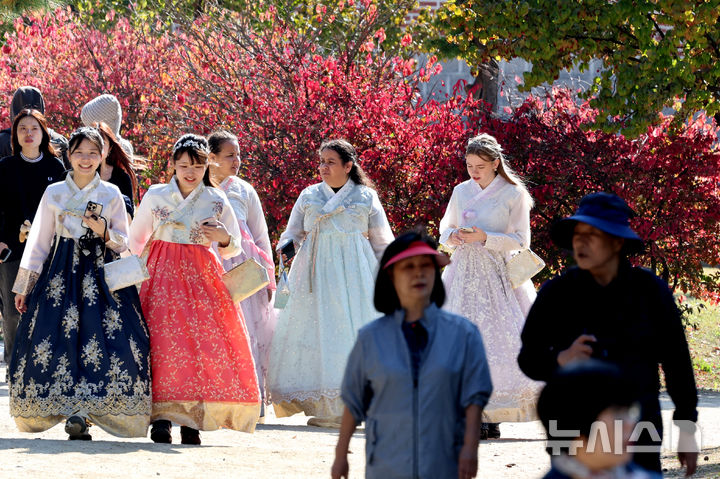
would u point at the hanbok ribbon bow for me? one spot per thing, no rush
(313, 238)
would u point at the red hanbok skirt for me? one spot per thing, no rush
(203, 374)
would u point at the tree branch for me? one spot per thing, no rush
(657, 27)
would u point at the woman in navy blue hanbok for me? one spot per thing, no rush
(82, 351)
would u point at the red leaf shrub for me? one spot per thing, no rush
(72, 63)
(282, 98)
(671, 181)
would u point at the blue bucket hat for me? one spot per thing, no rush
(606, 212)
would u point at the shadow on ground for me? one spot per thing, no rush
(50, 446)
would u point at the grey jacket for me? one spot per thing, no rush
(415, 431)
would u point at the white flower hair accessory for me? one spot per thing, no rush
(190, 142)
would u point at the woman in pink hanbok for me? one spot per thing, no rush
(224, 161)
(488, 217)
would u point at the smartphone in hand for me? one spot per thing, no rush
(5, 255)
(466, 229)
(92, 209)
(288, 249)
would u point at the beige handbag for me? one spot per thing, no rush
(246, 279)
(523, 266)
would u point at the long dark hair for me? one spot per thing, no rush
(196, 147)
(386, 299)
(45, 147)
(348, 153)
(117, 157)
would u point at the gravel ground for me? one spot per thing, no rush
(281, 448)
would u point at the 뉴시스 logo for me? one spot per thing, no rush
(680, 436)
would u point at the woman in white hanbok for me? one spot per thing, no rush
(339, 230)
(488, 217)
(260, 317)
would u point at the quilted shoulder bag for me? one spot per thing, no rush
(245, 279)
(523, 266)
(130, 270)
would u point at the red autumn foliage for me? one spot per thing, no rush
(671, 181)
(282, 98)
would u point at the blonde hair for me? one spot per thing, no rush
(486, 146)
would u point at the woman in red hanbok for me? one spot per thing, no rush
(202, 367)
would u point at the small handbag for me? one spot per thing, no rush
(245, 279)
(125, 272)
(523, 266)
(282, 294)
(130, 270)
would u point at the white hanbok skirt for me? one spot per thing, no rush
(329, 302)
(478, 288)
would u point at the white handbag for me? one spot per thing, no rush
(523, 266)
(125, 272)
(245, 279)
(282, 294)
(130, 270)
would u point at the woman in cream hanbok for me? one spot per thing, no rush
(82, 351)
(258, 310)
(203, 370)
(487, 218)
(339, 230)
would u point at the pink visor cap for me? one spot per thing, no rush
(418, 248)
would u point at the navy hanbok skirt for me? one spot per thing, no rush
(80, 349)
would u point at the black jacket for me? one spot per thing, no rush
(22, 185)
(636, 322)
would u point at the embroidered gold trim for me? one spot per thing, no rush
(209, 415)
(25, 281)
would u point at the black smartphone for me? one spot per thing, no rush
(92, 209)
(5, 254)
(288, 250)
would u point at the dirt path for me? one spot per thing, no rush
(281, 448)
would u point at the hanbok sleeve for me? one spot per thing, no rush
(355, 384)
(37, 249)
(259, 231)
(141, 227)
(257, 224)
(117, 225)
(449, 221)
(518, 231)
(228, 218)
(295, 230)
(476, 383)
(379, 232)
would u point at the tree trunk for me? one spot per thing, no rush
(487, 80)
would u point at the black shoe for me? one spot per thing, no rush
(161, 431)
(189, 435)
(484, 431)
(493, 431)
(77, 428)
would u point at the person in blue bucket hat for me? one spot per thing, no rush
(606, 309)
